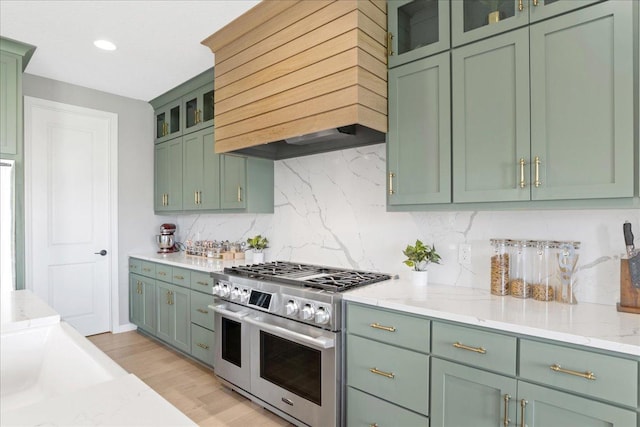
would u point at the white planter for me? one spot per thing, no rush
(258, 257)
(419, 278)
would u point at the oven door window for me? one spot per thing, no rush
(231, 341)
(291, 366)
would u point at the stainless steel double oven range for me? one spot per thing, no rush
(278, 336)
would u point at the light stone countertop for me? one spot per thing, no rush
(180, 259)
(24, 309)
(592, 325)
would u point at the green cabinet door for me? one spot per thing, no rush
(490, 89)
(201, 172)
(168, 121)
(198, 109)
(142, 302)
(233, 177)
(543, 9)
(10, 70)
(473, 20)
(544, 407)
(174, 321)
(462, 396)
(168, 175)
(582, 115)
(417, 29)
(419, 138)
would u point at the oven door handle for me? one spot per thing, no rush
(320, 342)
(228, 313)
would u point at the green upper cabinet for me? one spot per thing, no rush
(168, 176)
(581, 107)
(419, 138)
(168, 121)
(417, 28)
(14, 57)
(472, 20)
(234, 182)
(490, 87)
(198, 108)
(563, 130)
(201, 172)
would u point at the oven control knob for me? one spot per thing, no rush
(322, 315)
(224, 291)
(244, 296)
(307, 312)
(291, 308)
(235, 294)
(216, 289)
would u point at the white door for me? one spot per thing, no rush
(68, 205)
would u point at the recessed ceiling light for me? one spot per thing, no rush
(104, 45)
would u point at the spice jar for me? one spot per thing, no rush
(544, 268)
(500, 267)
(521, 268)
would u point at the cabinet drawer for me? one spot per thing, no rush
(181, 277)
(202, 341)
(616, 379)
(148, 269)
(391, 373)
(202, 282)
(200, 311)
(389, 327)
(480, 349)
(163, 272)
(135, 265)
(364, 410)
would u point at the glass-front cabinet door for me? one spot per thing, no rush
(168, 122)
(476, 19)
(542, 9)
(198, 107)
(417, 28)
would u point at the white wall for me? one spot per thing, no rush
(330, 209)
(137, 222)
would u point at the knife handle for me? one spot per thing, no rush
(628, 235)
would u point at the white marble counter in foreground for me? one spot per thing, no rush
(180, 259)
(24, 309)
(592, 325)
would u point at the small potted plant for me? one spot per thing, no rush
(257, 244)
(419, 257)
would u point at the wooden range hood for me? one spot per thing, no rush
(288, 69)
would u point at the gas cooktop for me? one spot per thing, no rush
(314, 276)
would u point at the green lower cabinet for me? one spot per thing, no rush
(544, 407)
(142, 302)
(202, 344)
(465, 396)
(174, 321)
(365, 410)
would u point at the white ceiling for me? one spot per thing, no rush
(158, 40)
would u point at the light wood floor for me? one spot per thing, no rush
(189, 386)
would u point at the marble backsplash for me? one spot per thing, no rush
(330, 209)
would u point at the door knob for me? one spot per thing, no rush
(102, 252)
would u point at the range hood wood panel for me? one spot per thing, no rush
(288, 77)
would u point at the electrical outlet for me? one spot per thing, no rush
(464, 254)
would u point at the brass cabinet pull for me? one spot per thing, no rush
(206, 347)
(167, 199)
(391, 176)
(239, 193)
(373, 425)
(202, 283)
(466, 347)
(199, 197)
(535, 2)
(523, 183)
(389, 43)
(389, 375)
(537, 182)
(178, 277)
(523, 404)
(384, 328)
(520, 6)
(168, 300)
(195, 197)
(146, 269)
(202, 311)
(587, 374)
(506, 421)
(161, 273)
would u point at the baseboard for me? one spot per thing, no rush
(124, 328)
